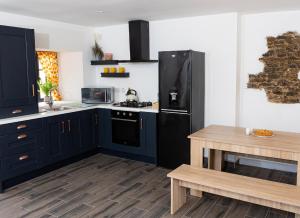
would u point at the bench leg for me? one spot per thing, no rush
(178, 196)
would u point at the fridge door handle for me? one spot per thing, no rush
(174, 111)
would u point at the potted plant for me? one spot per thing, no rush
(47, 88)
(97, 51)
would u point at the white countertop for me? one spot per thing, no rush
(72, 107)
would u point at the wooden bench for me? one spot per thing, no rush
(267, 193)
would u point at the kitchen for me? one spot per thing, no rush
(114, 136)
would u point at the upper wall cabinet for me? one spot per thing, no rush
(17, 72)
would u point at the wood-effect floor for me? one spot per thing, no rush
(106, 186)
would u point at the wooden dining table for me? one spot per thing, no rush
(219, 139)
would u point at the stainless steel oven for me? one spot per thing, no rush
(125, 128)
(97, 95)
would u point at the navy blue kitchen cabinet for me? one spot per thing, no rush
(20, 148)
(148, 133)
(73, 135)
(18, 72)
(89, 125)
(63, 138)
(56, 138)
(104, 128)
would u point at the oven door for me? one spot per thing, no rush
(126, 131)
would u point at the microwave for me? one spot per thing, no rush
(97, 95)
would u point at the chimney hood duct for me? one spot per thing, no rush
(139, 40)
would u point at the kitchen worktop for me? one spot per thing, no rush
(72, 107)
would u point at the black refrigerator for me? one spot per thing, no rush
(181, 104)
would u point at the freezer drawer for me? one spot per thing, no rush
(173, 144)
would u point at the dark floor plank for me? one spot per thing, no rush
(201, 208)
(104, 185)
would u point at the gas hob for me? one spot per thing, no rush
(133, 104)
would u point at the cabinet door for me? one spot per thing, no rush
(56, 138)
(104, 128)
(17, 67)
(148, 133)
(73, 135)
(89, 130)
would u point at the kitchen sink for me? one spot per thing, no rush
(60, 108)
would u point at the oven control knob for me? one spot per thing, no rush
(118, 113)
(130, 114)
(124, 114)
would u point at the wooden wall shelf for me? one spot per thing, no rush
(115, 75)
(111, 62)
(116, 62)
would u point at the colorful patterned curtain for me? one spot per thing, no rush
(49, 62)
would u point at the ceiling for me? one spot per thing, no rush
(83, 12)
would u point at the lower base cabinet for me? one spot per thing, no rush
(71, 134)
(37, 144)
(89, 126)
(148, 140)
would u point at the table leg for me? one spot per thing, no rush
(197, 160)
(216, 160)
(211, 158)
(298, 182)
(219, 160)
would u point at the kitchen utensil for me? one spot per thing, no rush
(131, 95)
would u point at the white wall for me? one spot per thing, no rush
(70, 74)
(255, 110)
(58, 36)
(216, 35)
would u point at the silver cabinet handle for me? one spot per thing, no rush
(127, 120)
(22, 126)
(22, 136)
(17, 111)
(141, 123)
(24, 157)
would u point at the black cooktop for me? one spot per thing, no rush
(134, 104)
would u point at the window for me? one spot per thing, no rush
(48, 71)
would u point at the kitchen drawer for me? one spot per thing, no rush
(6, 112)
(21, 142)
(21, 126)
(19, 164)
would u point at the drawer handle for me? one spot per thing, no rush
(24, 157)
(23, 126)
(23, 136)
(17, 111)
